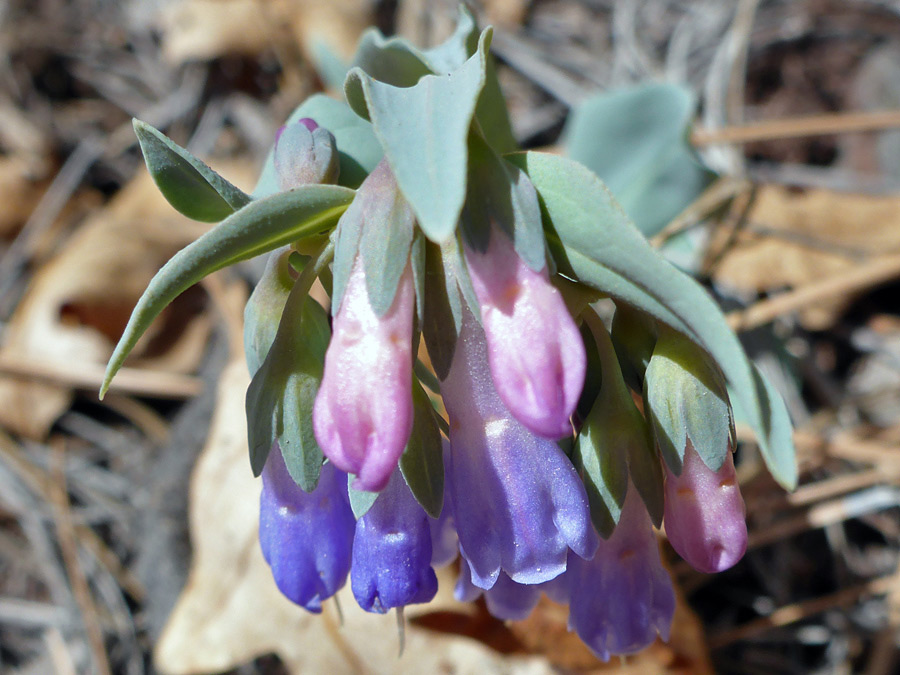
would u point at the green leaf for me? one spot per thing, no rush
(635, 140)
(634, 336)
(283, 391)
(393, 60)
(423, 130)
(501, 194)
(616, 436)
(686, 399)
(261, 226)
(593, 241)
(443, 311)
(360, 500)
(422, 462)
(263, 310)
(190, 186)
(378, 227)
(358, 148)
(417, 261)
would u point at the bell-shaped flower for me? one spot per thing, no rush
(305, 153)
(623, 597)
(536, 354)
(705, 514)
(517, 501)
(305, 537)
(363, 412)
(392, 552)
(505, 600)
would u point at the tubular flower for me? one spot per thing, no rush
(704, 514)
(517, 501)
(363, 412)
(392, 552)
(535, 351)
(305, 537)
(623, 597)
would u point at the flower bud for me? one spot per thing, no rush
(517, 501)
(305, 537)
(535, 350)
(305, 153)
(392, 552)
(621, 598)
(363, 413)
(705, 514)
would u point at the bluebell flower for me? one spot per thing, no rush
(517, 501)
(623, 597)
(305, 537)
(392, 552)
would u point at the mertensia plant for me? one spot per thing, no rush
(461, 397)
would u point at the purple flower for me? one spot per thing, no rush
(305, 537)
(517, 502)
(705, 515)
(444, 540)
(623, 597)
(304, 153)
(363, 414)
(505, 600)
(536, 354)
(392, 552)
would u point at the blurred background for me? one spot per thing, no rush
(127, 527)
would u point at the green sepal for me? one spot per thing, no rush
(377, 228)
(423, 130)
(634, 336)
(442, 318)
(188, 184)
(618, 437)
(358, 148)
(264, 308)
(500, 193)
(417, 262)
(360, 500)
(592, 241)
(283, 391)
(686, 399)
(422, 462)
(260, 227)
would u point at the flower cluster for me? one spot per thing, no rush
(549, 485)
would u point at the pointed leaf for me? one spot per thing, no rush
(593, 241)
(443, 311)
(393, 60)
(263, 310)
(417, 261)
(423, 130)
(500, 193)
(422, 461)
(261, 226)
(360, 500)
(282, 392)
(686, 399)
(358, 148)
(190, 186)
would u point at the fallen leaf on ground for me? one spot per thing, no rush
(809, 235)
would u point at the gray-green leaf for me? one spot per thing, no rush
(593, 241)
(261, 226)
(422, 462)
(190, 186)
(423, 130)
(282, 393)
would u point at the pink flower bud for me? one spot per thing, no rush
(704, 515)
(363, 414)
(535, 351)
